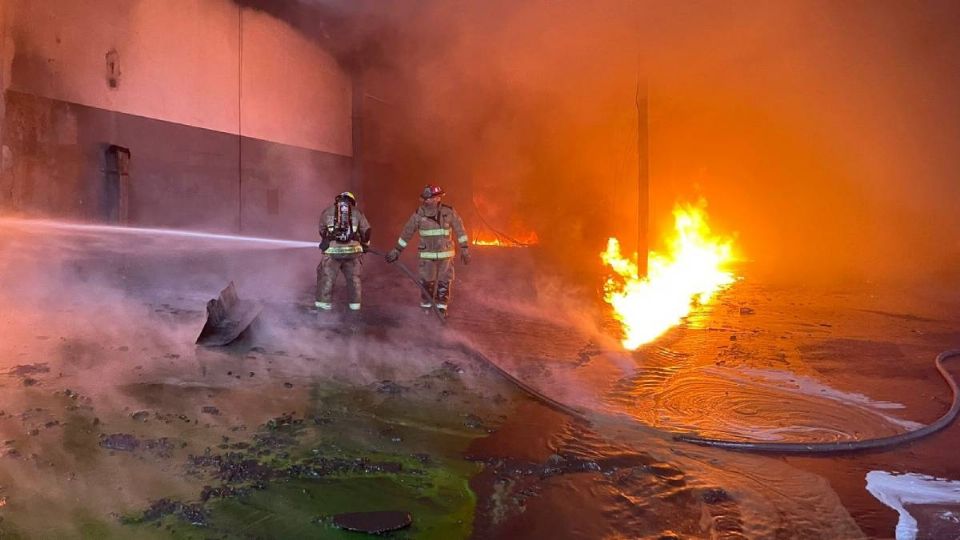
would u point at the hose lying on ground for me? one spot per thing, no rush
(470, 351)
(784, 447)
(846, 446)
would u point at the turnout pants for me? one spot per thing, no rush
(436, 276)
(327, 272)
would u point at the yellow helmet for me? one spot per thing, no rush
(346, 195)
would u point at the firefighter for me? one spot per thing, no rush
(435, 222)
(345, 237)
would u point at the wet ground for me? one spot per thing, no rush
(766, 364)
(114, 424)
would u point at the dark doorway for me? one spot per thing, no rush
(117, 192)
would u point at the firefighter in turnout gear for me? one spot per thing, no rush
(435, 222)
(345, 237)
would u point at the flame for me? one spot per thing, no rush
(483, 238)
(689, 274)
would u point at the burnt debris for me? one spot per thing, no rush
(228, 318)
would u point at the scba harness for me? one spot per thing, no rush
(344, 223)
(342, 227)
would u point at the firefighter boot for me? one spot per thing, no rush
(426, 295)
(443, 296)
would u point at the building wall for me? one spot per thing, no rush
(292, 92)
(229, 114)
(4, 68)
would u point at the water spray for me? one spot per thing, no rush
(89, 227)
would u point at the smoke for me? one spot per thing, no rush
(97, 334)
(116, 314)
(825, 134)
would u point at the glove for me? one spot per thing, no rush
(464, 256)
(324, 244)
(392, 255)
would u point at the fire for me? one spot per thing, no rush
(481, 238)
(689, 274)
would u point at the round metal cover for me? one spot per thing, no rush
(373, 522)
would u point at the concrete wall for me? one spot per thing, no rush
(229, 114)
(292, 92)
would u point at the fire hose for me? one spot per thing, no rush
(413, 278)
(877, 443)
(784, 447)
(470, 351)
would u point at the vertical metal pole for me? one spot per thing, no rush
(643, 178)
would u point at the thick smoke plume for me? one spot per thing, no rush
(824, 133)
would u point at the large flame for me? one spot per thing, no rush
(691, 271)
